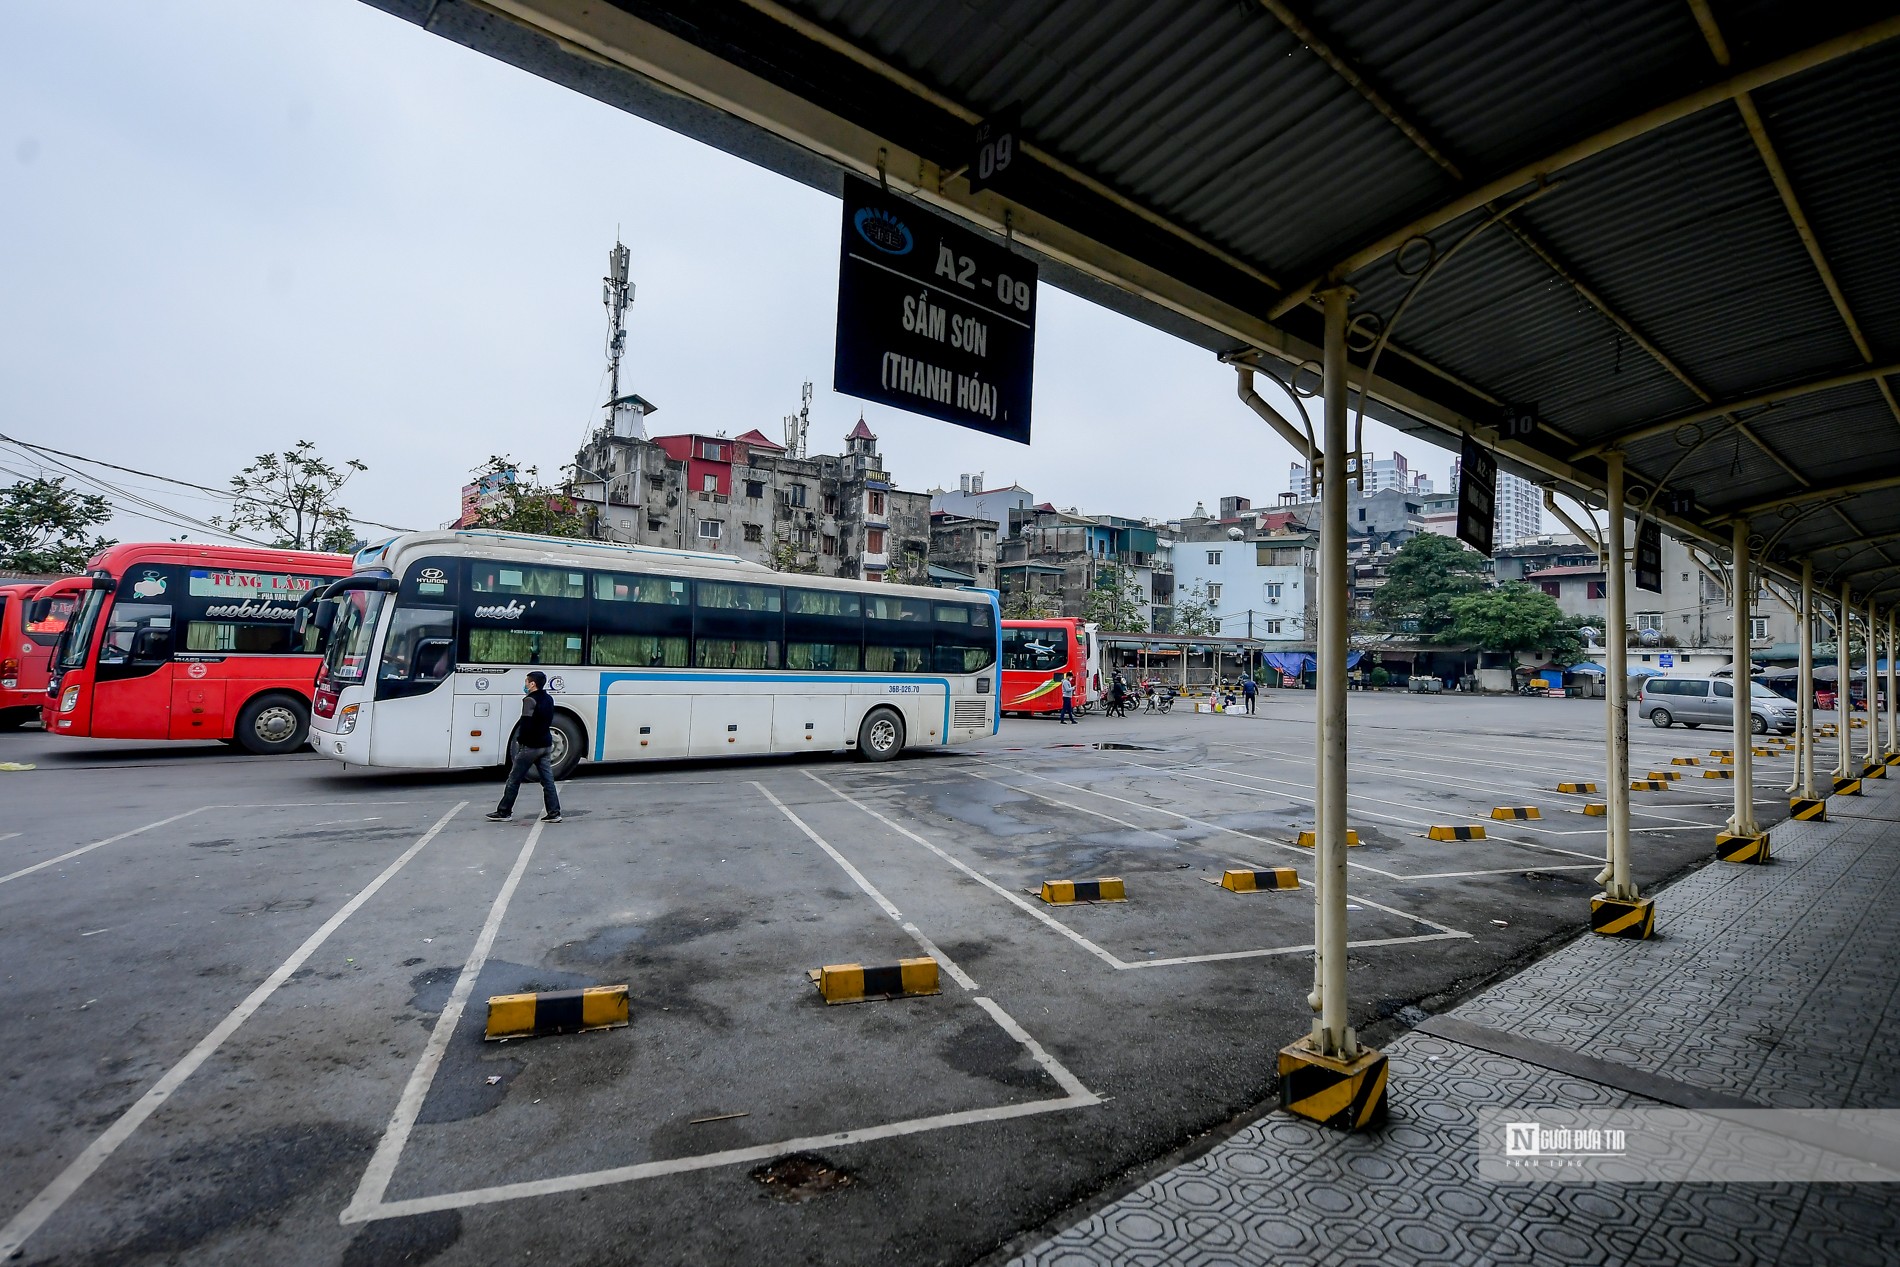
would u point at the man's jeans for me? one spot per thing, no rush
(527, 759)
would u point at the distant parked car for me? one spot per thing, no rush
(1694, 701)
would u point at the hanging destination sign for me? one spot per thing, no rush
(1649, 556)
(933, 317)
(1477, 495)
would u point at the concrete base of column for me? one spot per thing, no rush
(1807, 810)
(1847, 786)
(1877, 770)
(1622, 917)
(1730, 847)
(1346, 1094)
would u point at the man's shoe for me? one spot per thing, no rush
(496, 816)
(550, 818)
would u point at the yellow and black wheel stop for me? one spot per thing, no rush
(1474, 832)
(1069, 892)
(855, 983)
(1503, 813)
(1310, 840)
(557, 1012)
(1259, 881)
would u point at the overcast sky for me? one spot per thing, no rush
(226, 226)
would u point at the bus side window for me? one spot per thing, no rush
(965, 641)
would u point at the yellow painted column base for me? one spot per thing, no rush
(1877, 770)
(1348, 1095)
(1730, 847)
(1807, 809)
(1620, 917)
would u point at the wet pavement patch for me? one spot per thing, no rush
(416, 1239)
(207, 1189)
(801, 1176)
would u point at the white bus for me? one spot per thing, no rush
(650, 653)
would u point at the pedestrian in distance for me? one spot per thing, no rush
(534, 740)
(1068, 699)
(1248, 688)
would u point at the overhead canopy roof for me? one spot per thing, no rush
(1666, 227)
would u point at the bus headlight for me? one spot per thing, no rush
(346, 718)
(70, 700)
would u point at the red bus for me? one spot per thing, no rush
(26, 649)
(1036, 653)
(179, 641)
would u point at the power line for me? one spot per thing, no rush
(226, 493)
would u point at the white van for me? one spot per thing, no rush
(1696, 700)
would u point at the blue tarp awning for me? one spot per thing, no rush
(1597, 670)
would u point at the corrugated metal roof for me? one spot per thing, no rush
(1202, 141)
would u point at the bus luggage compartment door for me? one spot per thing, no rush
(481, 728)
(644, 723)
(726, 725)
(198, 708)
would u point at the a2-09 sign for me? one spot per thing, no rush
(1477, 495)
(933, 317)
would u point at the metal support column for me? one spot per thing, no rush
(1328, 1076)
(1845, 778)
(1619, 911)
(1744, 841)
(1872, 747)
(1335, 1035)
(1893, 698)
(1802, 788)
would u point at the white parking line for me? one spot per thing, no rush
(1109, 957)
(382, 1166)
(368, 1204)
(42, 1207)
(98, 844)
(857, 878)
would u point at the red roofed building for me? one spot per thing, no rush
(750, 496)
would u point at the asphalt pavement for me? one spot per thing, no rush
(242, 998)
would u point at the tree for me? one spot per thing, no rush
(519, 502)
(1194, 615)
(291, 498)
(1516, 617)
(1425, 576)
(1115, 602)
(787, 557)
(44, 526)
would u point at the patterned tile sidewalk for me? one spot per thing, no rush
(1775, 984)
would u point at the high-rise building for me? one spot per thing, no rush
(1520, 507)
(1381, 474)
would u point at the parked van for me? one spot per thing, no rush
(1696, 700)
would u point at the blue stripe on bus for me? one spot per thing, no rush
(608, 679)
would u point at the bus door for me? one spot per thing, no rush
(132, 685)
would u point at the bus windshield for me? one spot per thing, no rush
(76, 642)
(346, 659)
(46, 629)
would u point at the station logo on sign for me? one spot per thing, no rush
(933, 317)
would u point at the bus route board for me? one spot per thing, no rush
(933, 317)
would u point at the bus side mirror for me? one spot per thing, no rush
(38, 610)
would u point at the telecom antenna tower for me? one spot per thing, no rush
(796, 425)
(617, 293)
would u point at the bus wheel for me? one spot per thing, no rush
(568, 745)
(881, 736)
(273, 724)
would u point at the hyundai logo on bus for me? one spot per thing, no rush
(933, 317)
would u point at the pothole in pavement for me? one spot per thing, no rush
(801, 1176)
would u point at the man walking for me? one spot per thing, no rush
(1248, 687)
(1068, 699)
(533, 742)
